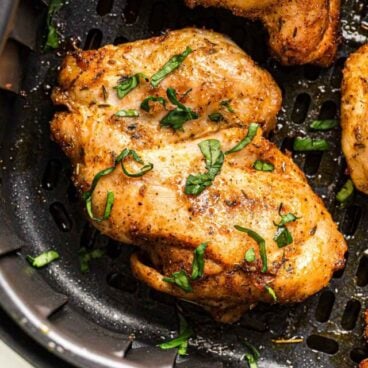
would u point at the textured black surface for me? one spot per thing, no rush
(41, 207)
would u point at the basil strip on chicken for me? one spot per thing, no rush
(252, 131)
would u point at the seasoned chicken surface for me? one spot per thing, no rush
(301, 31)
(153, 211)
(354, 117)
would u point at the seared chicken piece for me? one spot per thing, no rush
(354, 117)
(301, 31)
(153, 211)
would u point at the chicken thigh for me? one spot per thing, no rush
(175, 174)
(301, 31)
(354, 117)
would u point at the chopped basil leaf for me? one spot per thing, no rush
(323, 124)
(87, 196)
(127, 84)
(263, 165)
(252, 356)
(310, 144)
(196, 184)
(128, 152)
(86, 256)
(169, 67)
(180, 279)
(285, 219)
(261, 243)
(216, 117)
(283, 237)
(271, 292)
(130, 113)
(43, 259)
(214, 157)
(198, 261)
(145, 103)
(52, 40)
(346, 192)
(250, 255)
(252, 131)
(226, 103)
(176, 118)
(181, 342)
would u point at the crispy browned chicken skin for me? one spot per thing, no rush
(154, 213)
(354, 117)
(301, 31)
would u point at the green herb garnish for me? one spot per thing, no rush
(176, 118)
(180, 279)
(226, 104)
(198, 261)
(43, 259)
(130, 113)
(346, 192)
(283, 236)
(252, 131)
(52, 40)
(86, 256)
(169, 67)
(310, 144)
(127, 84)
(271, 292)
(145, 103)
(211, 150)
(87, 196)
(131, 153)
(323, 124)
(261, 244)
(216, 117)
(263, 165)
(252, 356)
(250, 255)
(180, 342)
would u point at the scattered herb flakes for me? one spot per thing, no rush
(250, 255)
(346, 192)
(85, 257)
(130, 113)
(324, 124)
(180, 279)
(52, 39)
(127, 84)
(252, 131)
(305, 144)
(252, 355)
(263, 166)
(226, 104)
(145, 103)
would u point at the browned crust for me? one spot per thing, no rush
(300, 31)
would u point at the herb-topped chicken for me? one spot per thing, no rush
(301, 31)
(165, 137)
(354, 117)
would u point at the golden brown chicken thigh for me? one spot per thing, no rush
(301, 31)
(354, 117)
(153, 210)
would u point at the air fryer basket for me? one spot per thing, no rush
(106, 318)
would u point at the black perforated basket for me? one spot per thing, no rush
(106, 318)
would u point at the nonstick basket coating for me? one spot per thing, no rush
(106, 318)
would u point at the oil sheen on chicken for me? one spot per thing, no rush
(301, 31)
(153, 211)
(354, 117)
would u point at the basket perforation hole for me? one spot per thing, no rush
(113, 249)
(312, 163)
(88, 237)
(362, 272)
(51, 175)
(287, 144)
(122, 282)
(312, 72)
(119, 40)
(325, 305)
(160, 17)
(131, 11)
(60, 216)
(104, 7)
(301, 108)
(322, 344)
(351, 221)
(93, 40)
(328, 110)
(72, 192)
(358, 354)
(337, 73)
(351, 314)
